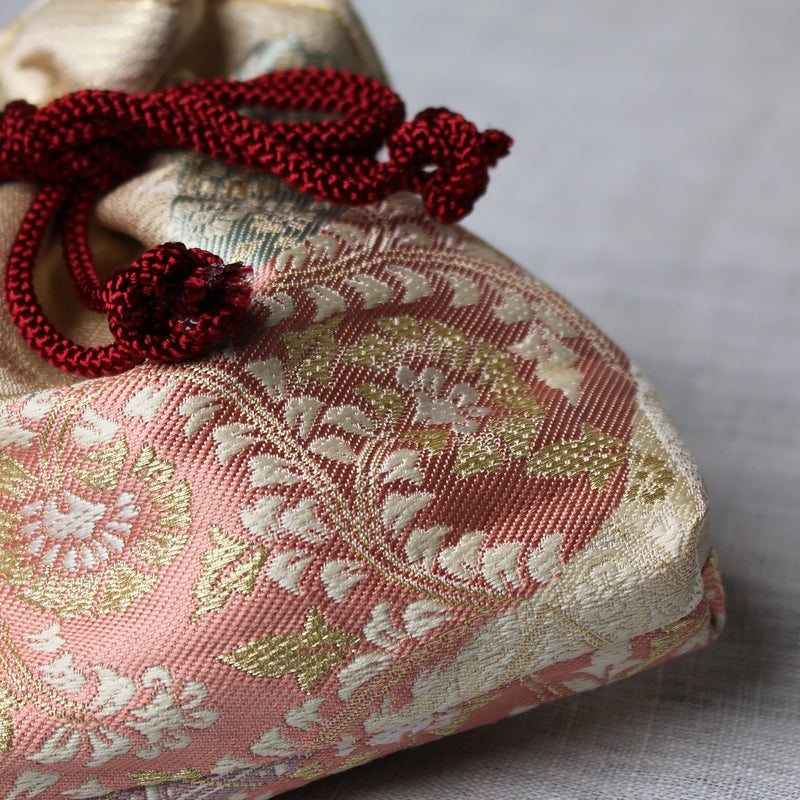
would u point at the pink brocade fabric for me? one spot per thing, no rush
(415, 493)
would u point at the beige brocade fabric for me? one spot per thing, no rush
(134, 45)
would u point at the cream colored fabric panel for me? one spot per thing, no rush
(135, 45)
(67, 45)
(141, 206)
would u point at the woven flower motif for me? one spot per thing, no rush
(171, 715)
(436, 405)
(94, 520)
(399, 729)
(84, 534)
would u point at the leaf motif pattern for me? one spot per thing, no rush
(596, 455)
(310, 655)
(8, 704)
(230, 566)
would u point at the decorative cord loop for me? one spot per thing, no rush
(174, 302)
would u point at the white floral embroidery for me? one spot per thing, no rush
(167, 719)
(399, 727)
(13, 433)
(164, 714)
(31, 782)
(65, 743)
(457, 408)
(345, 745)
(95, 430)
(82, 534)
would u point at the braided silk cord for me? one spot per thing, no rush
(174, 302)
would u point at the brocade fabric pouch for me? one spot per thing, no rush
(414, 492)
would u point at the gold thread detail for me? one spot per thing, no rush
(8, 703)
(232, 565)
(310, 655)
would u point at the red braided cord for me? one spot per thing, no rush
(88, 142)
(26, 311)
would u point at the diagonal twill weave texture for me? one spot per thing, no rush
(415, 492)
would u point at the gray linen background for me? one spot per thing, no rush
(654, 183)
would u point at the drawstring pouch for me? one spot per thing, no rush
(294, 470)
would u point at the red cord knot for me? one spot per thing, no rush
(449, 160)
(174, 302)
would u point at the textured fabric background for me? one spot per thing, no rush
(653, 183)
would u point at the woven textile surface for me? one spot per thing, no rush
(416, 493)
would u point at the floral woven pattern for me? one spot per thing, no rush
(416, 492)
